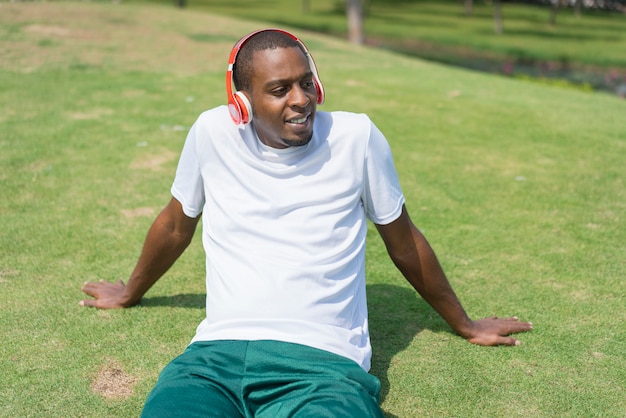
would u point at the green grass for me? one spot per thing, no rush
(440, 30)
(518, 186)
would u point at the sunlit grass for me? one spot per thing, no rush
(518, 186)
(440, 30)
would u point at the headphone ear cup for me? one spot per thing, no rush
(320, 91)
(235, 110)
(245, 108)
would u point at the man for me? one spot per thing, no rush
(285, 192)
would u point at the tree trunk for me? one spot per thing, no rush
(355, 21)
(577, 7)
(469, 7)
(306, 6)
(553, 11)
(497, 16)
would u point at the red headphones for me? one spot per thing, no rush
(238, 104)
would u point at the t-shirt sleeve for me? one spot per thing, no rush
(188, 187)
(382, 195)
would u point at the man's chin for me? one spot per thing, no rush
(298, 142)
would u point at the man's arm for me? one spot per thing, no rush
(414, 257)
(167, 239)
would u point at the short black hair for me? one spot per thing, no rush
(268, 39)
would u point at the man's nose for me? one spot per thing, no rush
(298, 97)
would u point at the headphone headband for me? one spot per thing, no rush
(238, 105)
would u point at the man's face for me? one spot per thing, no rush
(283, 97)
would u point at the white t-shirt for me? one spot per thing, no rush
(284, 229)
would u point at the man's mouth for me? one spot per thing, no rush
(299, 120)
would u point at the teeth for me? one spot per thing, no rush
(299, 120)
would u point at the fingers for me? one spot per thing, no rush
(89, 287)
(497, 331)
(507, 341)
(89, 302)
(92, 287)
(521, 327)
(512, 325)
(102, 291)
(494, 340)
(510, 318)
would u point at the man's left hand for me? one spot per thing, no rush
(495, 331)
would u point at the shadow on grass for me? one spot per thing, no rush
(396, 315)
(182, 300)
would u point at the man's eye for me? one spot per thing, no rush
(279, 91)
(307, 84)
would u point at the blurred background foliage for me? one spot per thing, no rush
(568, 43)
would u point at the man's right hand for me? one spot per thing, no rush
(170, 233)
(107, 295)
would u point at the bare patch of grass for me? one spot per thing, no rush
(92, 114)
(138, 212)
(48, 30)
(154, 161)
(112, 382)
(6, 274)
(62, 35)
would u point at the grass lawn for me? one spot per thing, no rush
(518, 186)
(586, 50)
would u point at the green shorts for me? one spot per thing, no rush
(262, 379)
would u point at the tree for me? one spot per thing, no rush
(556, 4)
(354, 11)
(497, 16)
(469, 7)
(577, 7)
